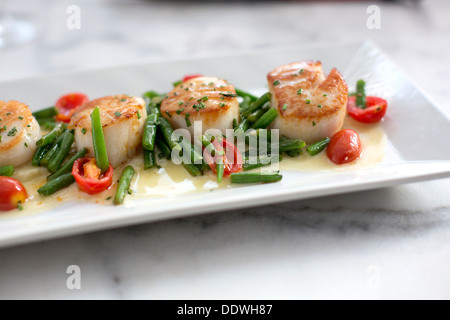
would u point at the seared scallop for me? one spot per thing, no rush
(123, 120)
(211, 100)
(310, 105)
(19, 132)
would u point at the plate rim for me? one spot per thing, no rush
(193, 209)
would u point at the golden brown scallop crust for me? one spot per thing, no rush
(302, 91)
(114, 109)
(207, 96)
(11, 112)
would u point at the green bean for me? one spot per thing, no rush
(67, 167)
(52, 135)
(318, 147)
(48, 126)
(56, 185)
(194, 170)
(151, 94)
(291, 145)
(292, 153)
(7, 171)
(101, 155)
(38, 155)
(149, 137)
(244, 95)
(361, 94)
(259, 103)
(149, 159)
(45, 113)
(257, 114)
(268, 160)
(242, 127)
(235, 124)
(63, 152)
(153, 109)
(266, 119)
(220, 166)
(248, 177)
(43, 122)
(196, 158)
(50, 154)
(244, 105)
(164, 148)
(124, 184)
(167, 130)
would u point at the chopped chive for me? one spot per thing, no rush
(325, 95)
(20, 118)
(109, 198)
(123, 100)
(308, 101)
(180, 103)
(12, 132)
(168, 114)
(276, 82)
(301, 71)
(319, 106)
(314, 123)
(222, 104)
(180, 111)
(186, 117)
(205, 98)
(26, 145)
(300, 91)
(117, 113)
(20, 206)
(9, 113)
(285, 107)
(211, 84)
(83, 131)
(139, 115)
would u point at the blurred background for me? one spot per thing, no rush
(56, 36)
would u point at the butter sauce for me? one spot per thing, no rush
(171, 180)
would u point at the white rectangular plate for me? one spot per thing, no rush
(417, 133)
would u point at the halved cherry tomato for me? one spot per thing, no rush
(89, 177)
(374, 111)
(191, 76)
(68, 104)
(344, 147)
(232, 158)
(12, 194)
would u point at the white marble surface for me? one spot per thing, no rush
(320, 248)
